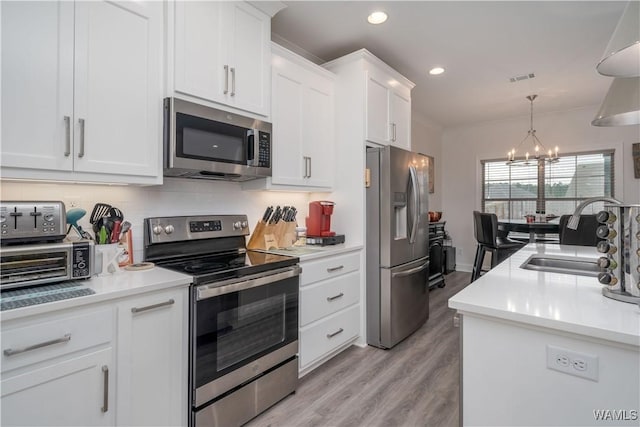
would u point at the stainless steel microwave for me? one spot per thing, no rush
(207, 143)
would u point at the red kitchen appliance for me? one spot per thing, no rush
(319, 219)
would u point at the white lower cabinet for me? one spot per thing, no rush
(152, 346)
(58, 370)
(120, 362)
(329, 307)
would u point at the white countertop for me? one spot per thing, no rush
(120, 284)
(309, 252)
(562, 302)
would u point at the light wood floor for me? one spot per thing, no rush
(414, 384)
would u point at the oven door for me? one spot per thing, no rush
(241, 328)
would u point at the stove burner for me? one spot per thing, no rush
(198, 266)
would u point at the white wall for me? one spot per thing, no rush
(426, 138)
(174, 197)
(571, 131)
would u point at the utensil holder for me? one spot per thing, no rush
(272, 236)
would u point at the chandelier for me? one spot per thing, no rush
(539, 151)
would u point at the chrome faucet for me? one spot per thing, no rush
(575, 217)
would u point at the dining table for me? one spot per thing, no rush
(532, 228)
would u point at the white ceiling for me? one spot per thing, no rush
(481, 45)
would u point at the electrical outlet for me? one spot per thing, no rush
(573, 363)
(459, 252)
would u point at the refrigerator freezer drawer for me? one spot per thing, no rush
(404, 301)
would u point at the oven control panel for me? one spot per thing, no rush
(184, 228)
(203, 226)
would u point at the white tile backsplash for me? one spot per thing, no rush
(175, 197)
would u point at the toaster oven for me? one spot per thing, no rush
(36, 264)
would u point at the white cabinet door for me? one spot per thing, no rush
(400, 121)
(287, 105)
(222, 55)
(303, 123)
(73, 392)
(152, 345)
(249, 58)
(118, 87)
(318, 132)
(200, 50)
(377, 106)
(37, 84)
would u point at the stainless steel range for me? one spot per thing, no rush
(243, 325)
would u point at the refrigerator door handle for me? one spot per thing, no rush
(416, 203)
(411, 271)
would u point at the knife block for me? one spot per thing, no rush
(272, 236)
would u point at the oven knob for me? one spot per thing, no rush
(245, 224)
(169, 229)
(237, 225)
(157, 229)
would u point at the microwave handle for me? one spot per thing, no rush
(253, 148)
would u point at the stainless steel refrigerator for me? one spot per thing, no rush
(397, 245)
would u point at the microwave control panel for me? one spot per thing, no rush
(264, 149)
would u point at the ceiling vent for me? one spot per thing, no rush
(522, 77)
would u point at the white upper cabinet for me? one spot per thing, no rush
(388, 107)
(221, 54)
(303, 125)
(82, 91)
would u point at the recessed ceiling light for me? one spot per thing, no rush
(436, 70)
(377, 17)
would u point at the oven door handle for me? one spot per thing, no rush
(235, 285)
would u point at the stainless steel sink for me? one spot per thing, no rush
(564, 265)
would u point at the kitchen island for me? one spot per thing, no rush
(542, 348)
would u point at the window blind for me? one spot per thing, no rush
(555, 188)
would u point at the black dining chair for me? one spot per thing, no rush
(490, 239)
(585, 235)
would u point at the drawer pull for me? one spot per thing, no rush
(339, 331)
(151, 307)
(105, 390)
(332, 269)
(11, 352)
(335, 297)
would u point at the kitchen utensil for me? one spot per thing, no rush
(116, 214)
(115, 231)
(73, 216)
(267, 214)
(102, 235)
(276, 215)
(98, 212)
(126, 225)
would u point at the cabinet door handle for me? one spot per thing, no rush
(151, 307)
(339, 331)
(226, 79)
(11, 352)
(67, 136)
(309, 167)
(105, 390)
(332, 269)
(81, 150)
(233, 81)
(393, 128)
(335, 297)
(306, 167)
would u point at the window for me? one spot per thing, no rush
(554, 188)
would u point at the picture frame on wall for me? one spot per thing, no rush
(635, 152)
(431, 170)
